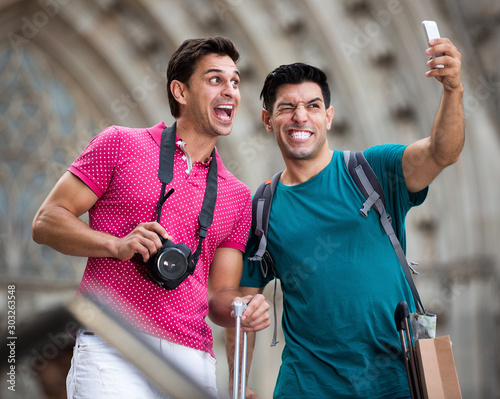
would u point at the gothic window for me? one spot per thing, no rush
(45, 122)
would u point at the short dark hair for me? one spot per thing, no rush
(293, 74)
(184, 60)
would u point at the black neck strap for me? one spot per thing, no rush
(166, 174)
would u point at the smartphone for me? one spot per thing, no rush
(432, 32)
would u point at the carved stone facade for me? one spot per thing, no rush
(69, 68)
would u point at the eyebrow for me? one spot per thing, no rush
(293, 105)
(217, 70)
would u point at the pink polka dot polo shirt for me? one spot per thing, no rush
(121, 166)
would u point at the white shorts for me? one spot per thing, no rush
(99, 372)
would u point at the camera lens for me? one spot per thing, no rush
(172, 263)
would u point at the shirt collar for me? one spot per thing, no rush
(155, 132)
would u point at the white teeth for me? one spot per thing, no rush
(226, 114)
(300, 135)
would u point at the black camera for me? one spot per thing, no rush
(171, 265)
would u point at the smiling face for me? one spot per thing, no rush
(210, 98)
(299, 121)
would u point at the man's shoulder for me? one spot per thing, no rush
(233, 183)
(124, 137)
(130, 131)
(385, 151)
(123, 131)
(230, 180)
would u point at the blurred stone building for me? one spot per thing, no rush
(69, 68)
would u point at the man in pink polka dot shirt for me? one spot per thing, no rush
(115, 180)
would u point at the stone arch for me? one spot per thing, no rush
(102, 62)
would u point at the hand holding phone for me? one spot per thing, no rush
(432, 32)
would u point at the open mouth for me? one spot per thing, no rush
(224, 112)
(300, 135)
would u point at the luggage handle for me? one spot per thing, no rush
(239, 308)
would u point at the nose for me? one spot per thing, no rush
(229, 90)
(299, 114)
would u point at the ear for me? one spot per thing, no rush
(178, 90)
(266, 118)
(329, 117)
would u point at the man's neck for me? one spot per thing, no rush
(198, 145)
(300, 171)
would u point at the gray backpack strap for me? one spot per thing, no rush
(261, 209)
(370, 187)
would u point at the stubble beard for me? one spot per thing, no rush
(302, 154)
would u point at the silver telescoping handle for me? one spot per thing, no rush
(239, 308)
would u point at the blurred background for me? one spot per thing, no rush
(70, 68)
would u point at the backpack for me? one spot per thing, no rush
(367, 182)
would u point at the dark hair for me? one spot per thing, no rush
(184, 60)
(293, 74)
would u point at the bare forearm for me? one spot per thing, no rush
(221, 305)
(64, 232)
(57, 222)
(448, 131)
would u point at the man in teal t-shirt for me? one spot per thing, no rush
(341, 282)
(340, 276)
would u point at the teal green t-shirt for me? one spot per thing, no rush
(341, 282)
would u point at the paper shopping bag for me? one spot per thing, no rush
(436, 366)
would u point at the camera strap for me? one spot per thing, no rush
(166, 174)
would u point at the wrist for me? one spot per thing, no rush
(110, 246)
(458, 90)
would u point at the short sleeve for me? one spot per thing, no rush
(96, 165)
(239, 234)
(387, 163)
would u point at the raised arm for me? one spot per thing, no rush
(56, 224)
(426, 158)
